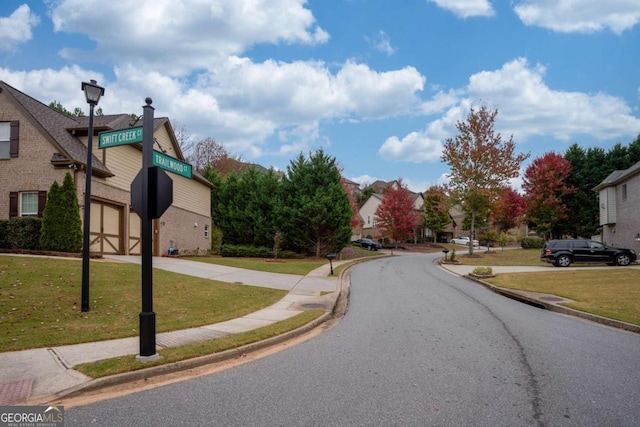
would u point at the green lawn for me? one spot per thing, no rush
(285, 266)
(611, 292)
(40, 301)
(288, 266)
(498, 256)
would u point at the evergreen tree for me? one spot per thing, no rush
(61, 225)
(436, 210)
(315, 213)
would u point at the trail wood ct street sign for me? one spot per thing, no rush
(119, 137)
(172, 165)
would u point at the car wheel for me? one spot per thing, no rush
(623, 260)
(563, 261)
(452, 242)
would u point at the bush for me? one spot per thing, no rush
(532, 243)
(242, 251)
(4, 234)
(24, 233)
(483, 271)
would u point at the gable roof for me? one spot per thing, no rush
(63, 132)
(59, 129)
(618, 176)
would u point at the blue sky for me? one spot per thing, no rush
(378, 84)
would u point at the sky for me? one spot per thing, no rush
(377, 84)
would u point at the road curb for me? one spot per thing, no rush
(515, 295)
(154, 371)
(338, 310)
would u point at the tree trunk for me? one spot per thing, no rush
(473, 231)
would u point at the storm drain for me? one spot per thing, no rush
(313, 305)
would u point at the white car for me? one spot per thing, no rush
(463, 241)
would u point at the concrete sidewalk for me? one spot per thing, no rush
(39, 375)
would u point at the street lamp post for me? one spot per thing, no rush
(92, 93)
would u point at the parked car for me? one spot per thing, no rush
(463, 241)
(562, 253)
(370, 244)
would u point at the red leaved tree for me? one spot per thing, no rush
(545, 187)
(509, 210)
(355, 220)
(395, 216)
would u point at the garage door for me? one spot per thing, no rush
(106, 228)
(135, 231)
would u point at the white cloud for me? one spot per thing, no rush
(45, 85)
(16, 28)
(416, 147)
(527, 108)
(466, 8)
(381, 43)
(583, 16)
(182, 36)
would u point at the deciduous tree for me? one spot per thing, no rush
(509, 209)
(481, 162)
(545, 188)
(395, 215)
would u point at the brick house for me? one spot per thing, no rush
(39, 145)
(619, 199)
(367, 211)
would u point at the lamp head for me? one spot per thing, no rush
(92, 92)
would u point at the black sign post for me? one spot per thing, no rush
(147, 316)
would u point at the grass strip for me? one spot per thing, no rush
(129, 363)
(613, 293)
(40, 301)
(288, 266)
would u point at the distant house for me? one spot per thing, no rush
(453, 229)
(619, 199)
(39, 145)
(368, 225)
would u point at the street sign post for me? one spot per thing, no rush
(119, 137)
(172, 165)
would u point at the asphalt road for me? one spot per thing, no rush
(417, 347)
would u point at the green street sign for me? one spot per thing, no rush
(172, 165)
(119, 137)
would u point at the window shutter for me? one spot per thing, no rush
(42, 200)
(14, 139)
(13, 204)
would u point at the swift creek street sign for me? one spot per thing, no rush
(172, 165)
(119, 137)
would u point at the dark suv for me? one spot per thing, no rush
(564, 252)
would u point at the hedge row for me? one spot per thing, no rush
(254, 252)
(20, 233)
(532, 243)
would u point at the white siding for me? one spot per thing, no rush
(607, 206)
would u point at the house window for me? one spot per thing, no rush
(29, 203)
(9, 132)
(5, 140)
(624, 192)
(206, 231)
